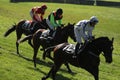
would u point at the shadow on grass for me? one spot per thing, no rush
(38, 61)
(58, 76)
(42, 62)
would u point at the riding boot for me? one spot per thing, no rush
(81, 47)
(76, 50)
(51, 33)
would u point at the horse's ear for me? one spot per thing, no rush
(73, 23)
(112, 39)
(68, 23)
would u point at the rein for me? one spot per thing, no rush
(93, 54)
(98, 51)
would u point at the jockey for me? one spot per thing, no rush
(83, 29)
(54, 20)
(37, 13)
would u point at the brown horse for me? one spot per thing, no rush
(26, 27)
(87, 59)
(61, 36)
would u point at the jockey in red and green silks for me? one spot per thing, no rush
(37, 13)
(54, 20)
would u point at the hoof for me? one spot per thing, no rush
(43, 78)
(41, 49)
(72, 73)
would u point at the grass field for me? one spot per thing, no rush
(111, 0)
(14, 67)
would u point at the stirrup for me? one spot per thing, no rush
(41, 37)
(74, 56)
(50, 37)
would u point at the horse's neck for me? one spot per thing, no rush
(65, 34)
(61, 36)
(95, 49)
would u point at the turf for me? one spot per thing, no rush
(14, 67)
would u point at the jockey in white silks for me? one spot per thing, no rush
(83, 30)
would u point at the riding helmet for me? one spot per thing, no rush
(94, 19)
(44, 7)
(59, 11)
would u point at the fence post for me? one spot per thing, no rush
(64, 1)
(95, 2)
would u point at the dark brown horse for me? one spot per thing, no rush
(87, 59)
(25, 27)
(61, 36)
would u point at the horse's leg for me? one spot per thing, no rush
(48, 75)
(17, 45)
(68, 67)
(56, 68)
(49, 55)
(30, 43)
(19, 34)
(94, 71)
(53, 70)
(35, 55)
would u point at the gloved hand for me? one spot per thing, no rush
(58, 28)
(62, 25)
(91, 38)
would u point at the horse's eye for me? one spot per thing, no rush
(112, 48)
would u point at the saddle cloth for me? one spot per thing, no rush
(27, 25)
(45, 33)
(69, 49)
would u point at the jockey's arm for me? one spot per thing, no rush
(52, 20)
(83, 32)
(60, 22)
(40, 17)
(34, 17)
(90, 33)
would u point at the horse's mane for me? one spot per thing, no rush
(68, 26)
(101, 38)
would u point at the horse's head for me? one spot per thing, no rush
(106, 46)
(108, 51)
(70, 31)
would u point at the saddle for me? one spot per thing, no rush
(45, 36)
(70, 49)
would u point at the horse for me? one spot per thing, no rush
(87, 59)
(25, 27)
(61, 36)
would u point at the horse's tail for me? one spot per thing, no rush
(13, 28)
(48, 50)
(25, 38)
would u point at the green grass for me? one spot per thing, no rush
(110, 0)
(14, 67)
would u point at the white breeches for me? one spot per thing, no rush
(79, 35)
